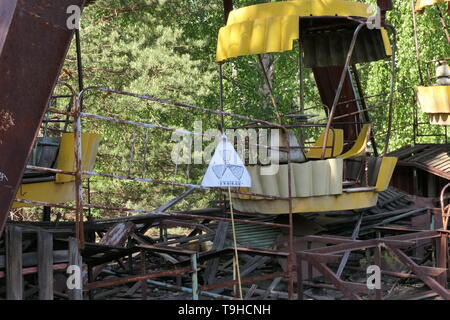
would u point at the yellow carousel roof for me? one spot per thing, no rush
(272, 27)
(422, 4)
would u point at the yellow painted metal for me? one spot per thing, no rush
(45, 192)
(385, 173)
(360, 146)
(339, 202)
(422, 4)
(272, 27)
(66, 155)
(345, 201)
(435, 101)
(63, 188)
(335, 137)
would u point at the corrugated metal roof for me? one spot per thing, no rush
(434, 158)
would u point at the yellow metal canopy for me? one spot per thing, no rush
(272, 27)
(422, 4)
(435, 101)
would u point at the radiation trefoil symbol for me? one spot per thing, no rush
(226, 168)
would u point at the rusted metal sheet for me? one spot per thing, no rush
(433, 158)
(327, 79)
(34, 40)
(116, 237)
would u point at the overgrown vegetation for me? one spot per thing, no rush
(166, 49)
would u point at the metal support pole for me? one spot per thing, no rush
(339, 89)
(392, 87)
(416, 39)
(78, 176)
(301, 67)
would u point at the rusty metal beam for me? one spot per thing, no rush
(227, 7)
(34, 40)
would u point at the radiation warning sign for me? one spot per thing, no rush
(226, 168)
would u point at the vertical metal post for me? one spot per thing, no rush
(392, 87)
(222, 120)
(290, 262)
(78, 176)
(301, 67)
(442, 258)
(194, 276)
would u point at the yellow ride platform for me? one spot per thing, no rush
(62, 189)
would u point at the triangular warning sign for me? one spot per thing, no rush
(226, 169)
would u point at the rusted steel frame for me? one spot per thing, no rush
(51, 170)
(290, 258)
(347, 253)
(21, 114)
(442, 256)
(115, 176)
(424, 167)
(445, 215)
(330, 275)
(79, 225)
(177, 104)
(362, 245)
(392, 87)
(179, 223)
(429, 281)
(222, 118)
(261, 252)
(167, 249)
(341, 83)
(364, 110)
(388, 273)
(152, 212)
(153, 126)
(364, 107)
(245, 280)
(358, 99)
(327, 239)
(120, 281)
(269, 85)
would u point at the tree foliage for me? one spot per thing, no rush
(166, 49)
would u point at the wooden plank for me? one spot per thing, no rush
(75, 260)
(218, 244)
(45, 265)
(30, 259)
(14, 277)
